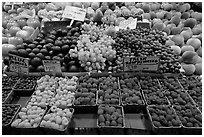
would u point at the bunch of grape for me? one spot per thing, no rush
(93, 55)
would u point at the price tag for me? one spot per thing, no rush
(144, 24)
(18, 3)
(74, 13)
(18, 64)
(150, 63)
(131, 23)
(52, 66)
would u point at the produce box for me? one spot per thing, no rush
(9, 111)
(25, 86)
(191, 119)
(164, 119)
(27, 121)
(7, 96)
(57, 120)
(108, 92)
(155, 97)
(107, 117)
(8, 82)
(87, 88)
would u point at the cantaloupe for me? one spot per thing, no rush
(198, 69)
(189, 69)
(195, 42)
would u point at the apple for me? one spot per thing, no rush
(6, 48)
(15, 41)
(13, 30)
(11, 23)
(29, 29)
(33, 22)
(4, 40)
(22, 22)
(23, 34)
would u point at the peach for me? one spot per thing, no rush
(185, 48)
(176, 49)
(167, 7)
(171, 25)
(199, 60)
(185, 15)
(175, 30)
(178, 39)
(195, 42)
(197, 30)
(175, 20)
(167, 30)
(168, 15)
(190, 57)
(190, 22)
(147, 16)
(199, 52)
(159, 26)
(187, 34)
(152, 14)
(146, 8)
(178, 14)
(188, 6)
(160, 15)
(181, 8)
(189, 69)
(198, 69)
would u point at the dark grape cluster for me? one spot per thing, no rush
(146, 42)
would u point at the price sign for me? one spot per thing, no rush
(18, 3)
(131, 23)
(74, 13)
(150, 63)
(18, 64)
(52, 66)
(144, 24)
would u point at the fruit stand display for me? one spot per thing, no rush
(84, 68)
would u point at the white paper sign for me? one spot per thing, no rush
(74, 13)
(52, 66)
(131, 23)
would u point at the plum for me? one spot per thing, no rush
(8, 82)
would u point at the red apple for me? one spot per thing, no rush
(33, 22)
(22, 22)
(13, 30)
(29, 29)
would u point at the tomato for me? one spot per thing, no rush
(33, 22)
(23, 34)
(22, 22)
(12, 23)
(13, 30)
(29, 29)
(15, 40)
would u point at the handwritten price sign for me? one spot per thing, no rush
(52, 66)
(74, 13)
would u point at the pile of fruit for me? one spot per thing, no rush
(163, 116)
(26, 83)
(95, 44)
(57, 118)
(86, 91)
(8, 82)
(108, 92)
(8, 113)
(110, 116)
(189, 115)
(29, 117)
(130, 91)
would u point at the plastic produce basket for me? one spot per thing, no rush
(165, 130)
(9, 97)
(24, 92)
(190, 130)
(49, 130)
(112, 130)
(30, 131)
(6, 128)
(13, 81)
